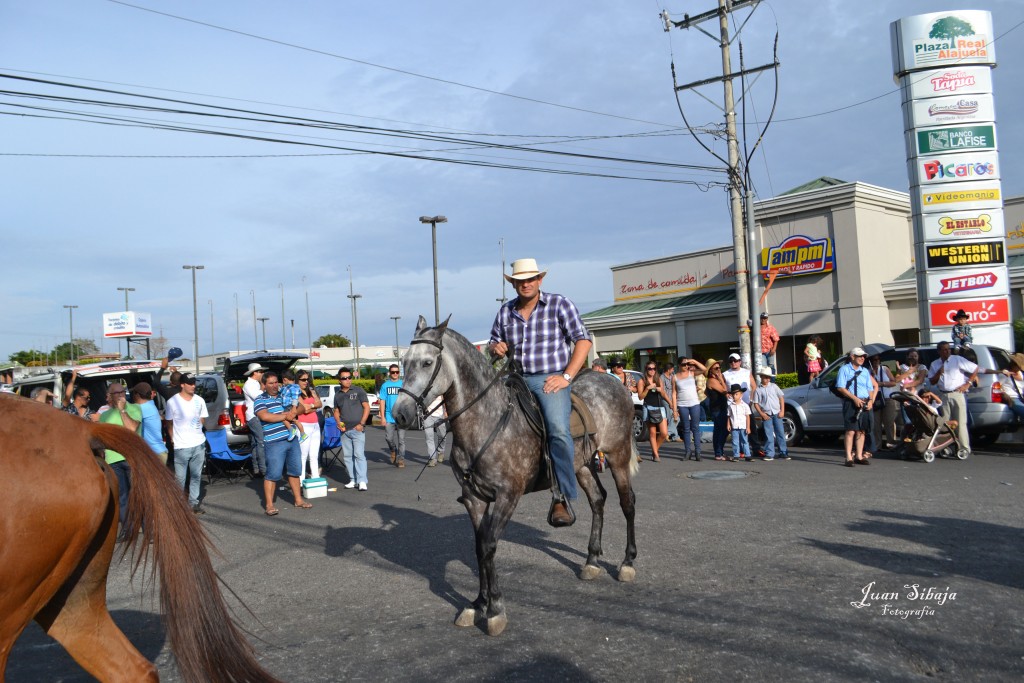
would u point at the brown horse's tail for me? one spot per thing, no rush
(206, 643)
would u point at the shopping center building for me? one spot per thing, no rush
(849, 248)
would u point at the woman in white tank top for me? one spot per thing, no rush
(687, 408)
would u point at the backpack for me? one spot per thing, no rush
(835, 390)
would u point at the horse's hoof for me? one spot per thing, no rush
(467, 617)
(627, 573)
(495, 625)
(589, 572)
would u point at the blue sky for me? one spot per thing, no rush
(134, 204)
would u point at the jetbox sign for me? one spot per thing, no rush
(961, 225)
(967, 254)
(987, 282)
(798, 255)
(941, 38)
(127, 324)
(981, 312)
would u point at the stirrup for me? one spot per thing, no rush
(568, 506)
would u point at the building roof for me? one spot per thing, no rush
(698, 299)
(817, 184)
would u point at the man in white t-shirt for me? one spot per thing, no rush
(186, 412)
(737, 374)
(251, 390)
(953, 376)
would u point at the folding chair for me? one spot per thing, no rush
(330, 444)
(221, 461)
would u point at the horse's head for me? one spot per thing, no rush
(426, 374)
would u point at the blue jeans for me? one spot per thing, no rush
(768, 358)
(189, 461)
(774, 431)
(284, 458)
(124, 485)
(720, 435)
(689, 428)
(1017, 408)
(259, 452)
(740, 446)
(353, 446)
(555, 408)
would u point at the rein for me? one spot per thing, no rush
(467, 474)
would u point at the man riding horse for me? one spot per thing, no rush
(550, 344)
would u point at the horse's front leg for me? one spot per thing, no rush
(492, 525)
(476, 508)
(596, 494)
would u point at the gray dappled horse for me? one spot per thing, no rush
(496, 456)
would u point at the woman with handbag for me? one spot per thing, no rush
(655, 397)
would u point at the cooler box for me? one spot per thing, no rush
(707, 432)
(314, 488)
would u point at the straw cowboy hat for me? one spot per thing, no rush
(524, 269)
(1018, 358)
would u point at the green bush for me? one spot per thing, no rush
(786, 380)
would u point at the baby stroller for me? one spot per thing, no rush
(932, 433)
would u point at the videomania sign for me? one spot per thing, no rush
(943, 62)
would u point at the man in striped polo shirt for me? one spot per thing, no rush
(550, 344)
(284, 457)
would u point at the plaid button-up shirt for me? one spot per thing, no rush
(542, 344)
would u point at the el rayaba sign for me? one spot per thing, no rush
(967, 254)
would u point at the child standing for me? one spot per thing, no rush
(289, 396)
(739, 424)
(963, 335)
(812, 356)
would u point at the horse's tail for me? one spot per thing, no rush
(634, 456)
(206, 643)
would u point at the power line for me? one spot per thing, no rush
(246, 115)
(387, 68)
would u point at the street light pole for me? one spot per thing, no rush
(255, 337)
(309, 328)
(434, 220)
(71, 332)
(238, 330)
(293, 332)
(503, 299)
(396, 318)
(128, 340)
(263, 324)
(284, 340)
(213, 347)
(195, 311)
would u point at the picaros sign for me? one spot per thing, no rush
(798, 255)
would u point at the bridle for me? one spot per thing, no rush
(468, 472)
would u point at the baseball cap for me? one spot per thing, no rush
(174, 352)
(188, 378)
(734, 356)
(764, 314)
(857, 351)
(142, 389)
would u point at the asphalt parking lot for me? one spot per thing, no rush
(758, 578)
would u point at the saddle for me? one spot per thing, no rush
(581, 426)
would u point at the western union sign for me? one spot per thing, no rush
(971, 254)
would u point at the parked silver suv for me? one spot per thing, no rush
(814, 409)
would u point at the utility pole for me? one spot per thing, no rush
(746, 317)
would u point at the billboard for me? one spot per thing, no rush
(127, 324)
(938, 39)
(952, 110)
(944, 168)
(961, 283)
(960, 225)
(980, 312)
(798, 255)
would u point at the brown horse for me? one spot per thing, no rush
(58, 525)
(496, 455)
